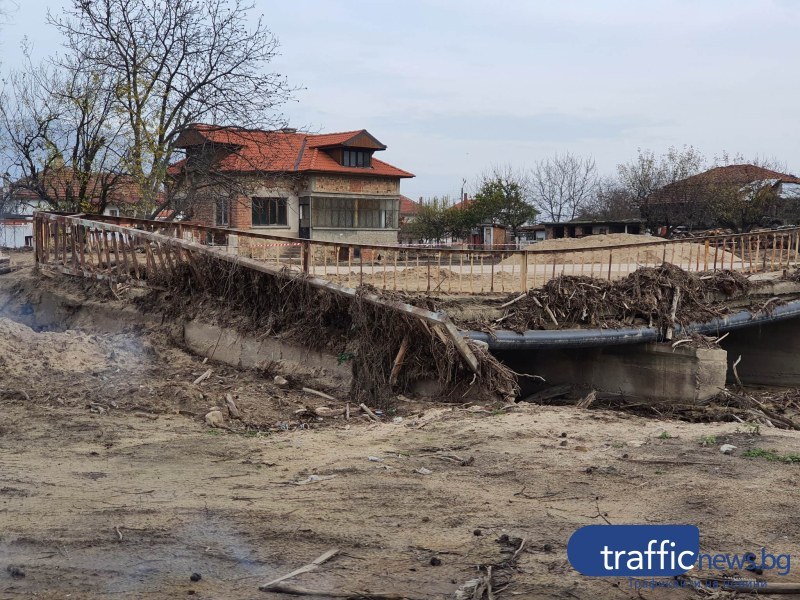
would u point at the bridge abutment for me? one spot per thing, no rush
(770, 353)
(655, 372)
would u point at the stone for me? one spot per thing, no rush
(215, 418)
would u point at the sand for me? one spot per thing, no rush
(685, 254)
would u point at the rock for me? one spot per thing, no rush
(423, 471)
(215, 419)
(727, 448)
(435, 562)
(477, 532)
(280, 381)
(195, 577)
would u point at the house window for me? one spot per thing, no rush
(222, 211)
(352, 213)
(113, 212)
(356, 158)
(269, 211)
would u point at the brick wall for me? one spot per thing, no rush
(241, 216)
(355, 185)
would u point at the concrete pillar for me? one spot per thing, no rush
(770, 353)
(655, 372)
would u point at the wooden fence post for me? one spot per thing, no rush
(523, 271)
(305, 255)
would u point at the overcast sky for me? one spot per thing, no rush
(454, 86)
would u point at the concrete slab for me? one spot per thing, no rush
(654, 372)
(234, 348)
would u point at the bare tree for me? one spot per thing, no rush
(562, 185)
(176, 63)
(648, 172)
(59, 140)
(611, 201)
(644, 177)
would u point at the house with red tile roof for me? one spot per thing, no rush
(755, 195)
(61, 188)
(318, 186)
(408, 209)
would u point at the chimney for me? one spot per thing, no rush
(465, 197)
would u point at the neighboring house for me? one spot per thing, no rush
(288, 183)
(578, 228)
(408, 212)
(737, 196)
(58, 190)
(485, 235)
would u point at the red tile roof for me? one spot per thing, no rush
(736, 175)
(282, 151)
(408, 206)
(59, 184)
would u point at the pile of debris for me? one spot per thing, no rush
(389, 350)
(653, 296)
(770, 408)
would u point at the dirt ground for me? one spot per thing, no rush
(112, 485)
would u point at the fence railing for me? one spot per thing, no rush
(59, 240)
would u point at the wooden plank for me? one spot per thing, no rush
(124, 252)
(115, 247)
(151, 261)
(107, 250)
(134, 260)
(166, 246)
(73, 243)
(160, 255)
(83, 248)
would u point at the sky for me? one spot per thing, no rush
(453, 87)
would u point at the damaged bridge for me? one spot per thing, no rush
(687, 355)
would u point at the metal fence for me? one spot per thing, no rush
(81, 243)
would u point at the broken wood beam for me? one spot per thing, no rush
(304, 569)
(398, 361)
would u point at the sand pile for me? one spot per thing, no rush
(414, 279)
(593, 249)
(25, 351)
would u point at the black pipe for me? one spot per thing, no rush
(591, 338)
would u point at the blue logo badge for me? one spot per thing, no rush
(634, 550)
